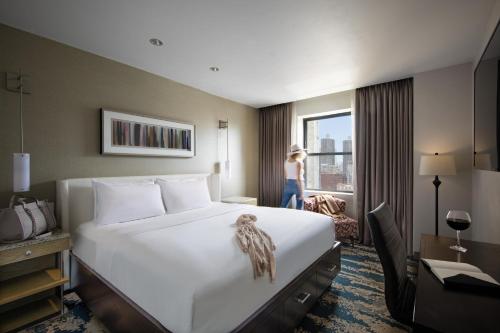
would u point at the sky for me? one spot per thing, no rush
(339, 128)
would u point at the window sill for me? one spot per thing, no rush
(328, 192)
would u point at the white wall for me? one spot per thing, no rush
(486, 206)
(486, 184)
(442, 123)
(443, 118)
(326, 103)
(321, 104)
(446, 98)
(330, 102)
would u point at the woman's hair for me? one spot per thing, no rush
(298, 156)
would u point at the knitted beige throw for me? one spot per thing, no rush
(258, 244)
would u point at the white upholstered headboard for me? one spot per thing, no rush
(75, 197)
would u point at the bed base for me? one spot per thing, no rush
(281, 313)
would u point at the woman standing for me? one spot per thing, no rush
(294, 174)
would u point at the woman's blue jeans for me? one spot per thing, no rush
(291, 189)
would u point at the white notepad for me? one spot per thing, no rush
(443, 269)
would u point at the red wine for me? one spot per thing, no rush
(458, 224)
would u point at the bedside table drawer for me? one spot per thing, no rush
(32, 251)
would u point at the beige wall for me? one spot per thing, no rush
(442, 123)
(61, 118)
(486, 184)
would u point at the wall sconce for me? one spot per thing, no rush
(16, 82)
(224, 124)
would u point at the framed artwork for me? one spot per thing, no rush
(128, 134)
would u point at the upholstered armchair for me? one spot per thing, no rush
(346, 228)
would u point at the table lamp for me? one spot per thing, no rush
(437, 165)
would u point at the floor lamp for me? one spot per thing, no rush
(437, 165)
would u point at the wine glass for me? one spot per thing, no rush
(458, 220)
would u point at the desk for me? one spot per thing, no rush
(438, 309)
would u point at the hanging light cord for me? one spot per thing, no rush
(227, 140)
(21, 109)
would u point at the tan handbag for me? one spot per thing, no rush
(15, 225)
(25, 219)
(47, 209)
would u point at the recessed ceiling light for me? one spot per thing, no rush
(214, 69)
(156, 42)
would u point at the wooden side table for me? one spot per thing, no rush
(241, 200)
(32, 280)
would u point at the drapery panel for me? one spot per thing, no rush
(275, 125)
(384, 154)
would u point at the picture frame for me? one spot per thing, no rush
(130, 134)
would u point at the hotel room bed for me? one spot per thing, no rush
(186, 271)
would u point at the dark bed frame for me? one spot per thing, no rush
(281, 313)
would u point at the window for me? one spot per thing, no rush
(328, 164)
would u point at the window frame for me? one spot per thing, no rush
(304, 133)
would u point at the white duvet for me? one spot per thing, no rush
(186, 269)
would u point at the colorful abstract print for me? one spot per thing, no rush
(132, 134)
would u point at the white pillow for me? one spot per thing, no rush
(181, 195)
(118, 182)
(122, 202)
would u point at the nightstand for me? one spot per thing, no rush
(241, 200)
(32, 280)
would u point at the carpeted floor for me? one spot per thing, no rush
(354, 303)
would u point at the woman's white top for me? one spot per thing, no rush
(291, 170)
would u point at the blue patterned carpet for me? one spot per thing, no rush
(77, 319)
(354, 303)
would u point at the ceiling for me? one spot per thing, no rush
(269, 52)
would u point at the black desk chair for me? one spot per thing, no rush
(399, 289)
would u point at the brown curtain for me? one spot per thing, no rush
(384, 154)
(275, 126)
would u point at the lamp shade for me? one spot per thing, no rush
(434, 165)
(21, 172)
